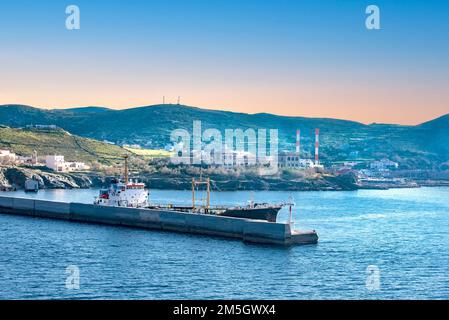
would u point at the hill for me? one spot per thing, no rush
(424, 146)
(151, 126)
(58, 141)
(438, 134)
(88, 109)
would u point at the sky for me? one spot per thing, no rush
(311, 58)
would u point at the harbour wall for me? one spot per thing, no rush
(248, 230)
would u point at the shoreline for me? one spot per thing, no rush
(13, 178)
(442, 185)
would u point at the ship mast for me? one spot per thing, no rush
(126, 169)
(200, 182)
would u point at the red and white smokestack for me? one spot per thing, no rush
(317, 145)
(298, 139)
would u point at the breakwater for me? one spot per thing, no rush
(247, 230)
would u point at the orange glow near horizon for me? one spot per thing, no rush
(385, 106)
(400, 95)
(295, 58)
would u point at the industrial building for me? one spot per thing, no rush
(289, 159)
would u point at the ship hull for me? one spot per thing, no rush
(268, 214)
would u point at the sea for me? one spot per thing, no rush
(373, 244)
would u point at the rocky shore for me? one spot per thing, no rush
(13, 178)
(224, 183)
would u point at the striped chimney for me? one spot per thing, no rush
(298, 139)
(317, 145)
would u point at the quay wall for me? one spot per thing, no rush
(245, 229)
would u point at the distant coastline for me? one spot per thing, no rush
(352, 155)
(13, 178)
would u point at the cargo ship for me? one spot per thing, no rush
(134, 194)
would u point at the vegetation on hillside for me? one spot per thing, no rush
(422, 147)
(57, 141)
(149, 153)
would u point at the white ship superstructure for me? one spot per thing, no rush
(124, 194)
(120, 194)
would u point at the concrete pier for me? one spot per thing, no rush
(248, 230)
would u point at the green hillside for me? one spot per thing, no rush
(414, 147)
(58, 141)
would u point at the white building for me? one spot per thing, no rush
(169, 148)
(233, 158)
(7, 157)
(24, 160)
(77, 166)
(383, 165)
(42, 126)
(133, 146)
(292, 160)
(58, 164)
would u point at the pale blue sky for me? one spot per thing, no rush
(312, 58)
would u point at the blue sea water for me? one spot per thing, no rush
(403, 233)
